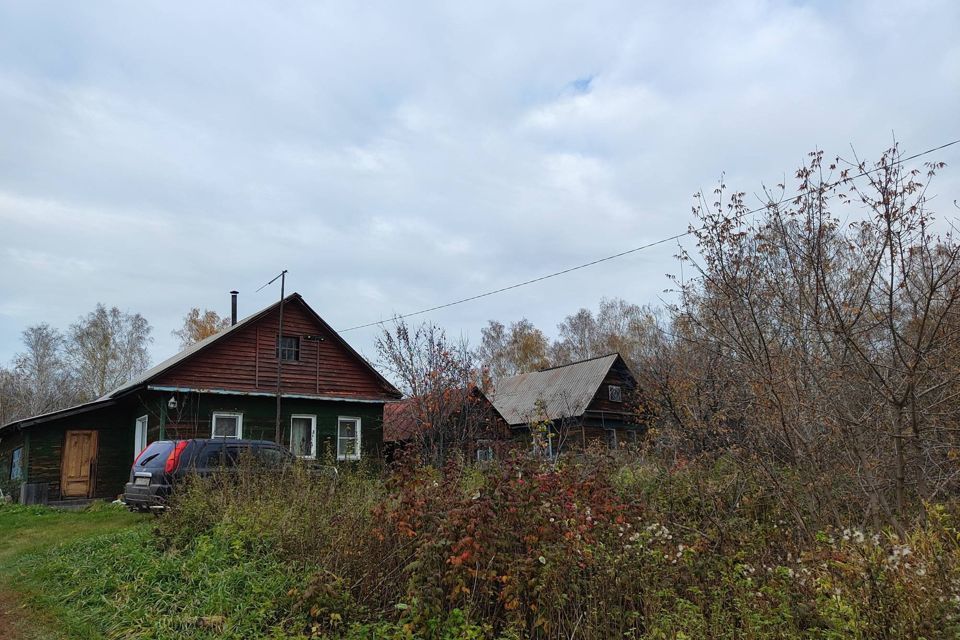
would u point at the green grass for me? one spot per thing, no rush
(33, 533)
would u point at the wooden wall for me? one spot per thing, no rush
(246, 360)
(115, 427)
(194, 415)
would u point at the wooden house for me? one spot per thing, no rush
(574, 404)
(472, 421)
(226, 386)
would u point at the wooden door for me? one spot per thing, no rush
(79, 460)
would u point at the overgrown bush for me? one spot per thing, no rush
(594, 547)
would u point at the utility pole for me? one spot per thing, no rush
(278, 434)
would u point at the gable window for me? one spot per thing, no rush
(227, 425)
(614, 393)
(288, 348)
(140, 436)
(348, 439)
(16, 464)
(303, 436)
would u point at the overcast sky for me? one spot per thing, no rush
(394, 156)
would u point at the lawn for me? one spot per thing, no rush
(32, 532)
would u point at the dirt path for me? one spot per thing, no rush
(15, 623)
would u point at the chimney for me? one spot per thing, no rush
(233, 307)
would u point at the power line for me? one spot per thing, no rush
(640, 248)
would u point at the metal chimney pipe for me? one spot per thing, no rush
(233, 307)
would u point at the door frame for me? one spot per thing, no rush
(95, 450)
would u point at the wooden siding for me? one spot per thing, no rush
(115, 427)
(194, 416)
(246, 360)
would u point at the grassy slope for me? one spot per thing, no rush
(32, 532)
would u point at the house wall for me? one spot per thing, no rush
(8, 444)
(114, 449)
(246, 360)
(193, 418)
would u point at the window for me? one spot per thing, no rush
(288, 348)
(227, 425)
(484, 451)
(217, 455)
(272, 457)
(348, 439)
(611, 438)
(16, 464)
(614, 393)
(543, 444)
(303, 436)
(140, 436)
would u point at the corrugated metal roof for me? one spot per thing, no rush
(189, 351)
(152, 372)
(565, 391)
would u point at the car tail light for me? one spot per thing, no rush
(174, 460)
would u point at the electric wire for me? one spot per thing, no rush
(642, 247)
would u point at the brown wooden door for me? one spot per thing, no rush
(79, 459)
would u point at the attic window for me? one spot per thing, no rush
(614, 393)
(288, 348)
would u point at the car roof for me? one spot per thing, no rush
(222, 441)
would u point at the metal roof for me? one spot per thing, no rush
(206, 342)
(152, 372)
(189, 351)
(564, 391)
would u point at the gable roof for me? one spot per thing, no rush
(194, 349)
(565, 391)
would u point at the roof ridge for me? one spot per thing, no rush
(570, 364)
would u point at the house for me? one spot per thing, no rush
(470, 421)
(226, 386)
(594, 399)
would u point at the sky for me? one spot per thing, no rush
(397, 156)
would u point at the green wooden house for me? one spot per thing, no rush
(226, 386)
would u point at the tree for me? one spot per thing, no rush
(830, 345)
(439, 378)
(197, 326)
(42, 381)
(521, 349)
(577, 338)
(107, 348)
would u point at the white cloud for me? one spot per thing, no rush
(395, 157)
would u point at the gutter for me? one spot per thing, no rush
(264, 394)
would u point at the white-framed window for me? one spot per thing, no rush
(303, 435)
(614, 393)
(140, 436)
(226, 425)
(348, 438)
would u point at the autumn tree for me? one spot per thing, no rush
(823, 343)
(521, 348)
(107, 348)
(198, 325)
(440, 379)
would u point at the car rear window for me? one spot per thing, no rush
(154, 456)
